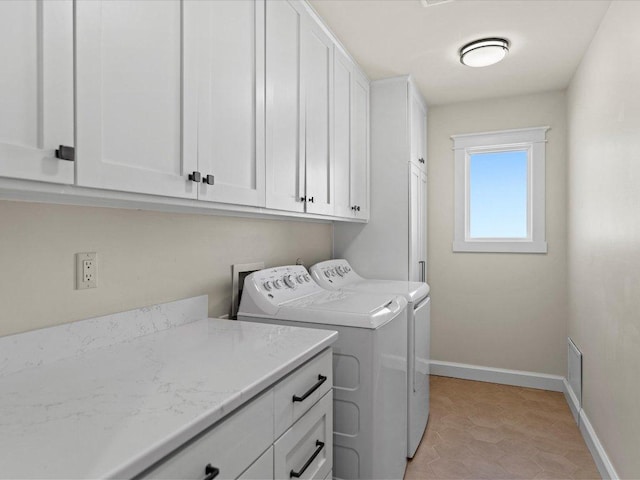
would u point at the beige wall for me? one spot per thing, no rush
(499, 310)
(143, 258)
(604, 232)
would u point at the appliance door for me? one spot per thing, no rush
(418, 398)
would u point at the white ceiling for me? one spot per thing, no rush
(394, 37)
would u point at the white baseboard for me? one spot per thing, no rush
(605, 467)
(572, 400)
(518, 378)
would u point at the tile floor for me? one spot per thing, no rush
(483, 430)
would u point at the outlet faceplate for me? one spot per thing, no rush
(86, 270)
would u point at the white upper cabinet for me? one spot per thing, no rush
(418, 112)
(230, 65)
(135, 117)
(342, 84)
(284, 109)
(351, 139)
(36, 89)
(360, 145)
(299, 86)
(317, 85)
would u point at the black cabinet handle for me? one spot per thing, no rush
(358, 208)
(208, 179)
(211, 472)
(295, 474)
(195, 177)
(311, 199)
(66, 153)
(303, 199)
(421, 160)
(353, 208)
(321, 380)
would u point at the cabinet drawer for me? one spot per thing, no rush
(230, 446)
(298, 385)
(306, 449)
(262, 468)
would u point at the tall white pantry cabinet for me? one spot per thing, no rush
(225, 104)
(393, 245)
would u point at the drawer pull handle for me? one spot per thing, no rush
(321, 380)
(320, 446)
(211, 472)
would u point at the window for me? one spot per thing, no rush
(499, 191)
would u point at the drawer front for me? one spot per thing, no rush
(306, 449)
(299, 384)
(230, 446)
(262, 468)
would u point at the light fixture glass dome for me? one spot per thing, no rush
(482, 53)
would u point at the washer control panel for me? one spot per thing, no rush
(282, 284)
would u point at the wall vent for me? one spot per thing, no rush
(574, 377)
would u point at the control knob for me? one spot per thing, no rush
(327, 274)
(277, 283)
(288, 281)
(267, 286)
(307, 278)
(299, 278)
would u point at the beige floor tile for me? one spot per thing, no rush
(480, 430)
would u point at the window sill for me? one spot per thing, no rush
(500, 247)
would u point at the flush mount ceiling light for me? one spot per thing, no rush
(482, 53)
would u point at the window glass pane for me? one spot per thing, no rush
(498, 195)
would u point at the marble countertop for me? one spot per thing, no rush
(113, 411)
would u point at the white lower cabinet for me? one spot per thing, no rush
(261, 469)
(286, 432)
(306, 449)
(230, 447)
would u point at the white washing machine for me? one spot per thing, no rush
(338, 275)
(369, 363)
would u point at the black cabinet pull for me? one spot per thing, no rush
(66, 153)
(353, 208)
(211, 472)
(311, 199)
(358, 208)
(195, 177)
(208, 179)
(295, 474)
(321, 380)
(421, 160)
(303, 199)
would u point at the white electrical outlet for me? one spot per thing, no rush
(86, 270)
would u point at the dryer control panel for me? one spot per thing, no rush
(334, 274)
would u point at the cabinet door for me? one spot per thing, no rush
(317, 83)
(422, 236)
(342, 73)
(132, 132)
(418, 114)
(284, 110)
(415, 251)
(360, 145)
(230, 45)
(36, 89)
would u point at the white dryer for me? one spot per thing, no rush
(338, 275)
(369, 363)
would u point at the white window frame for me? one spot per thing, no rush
(532, 140)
